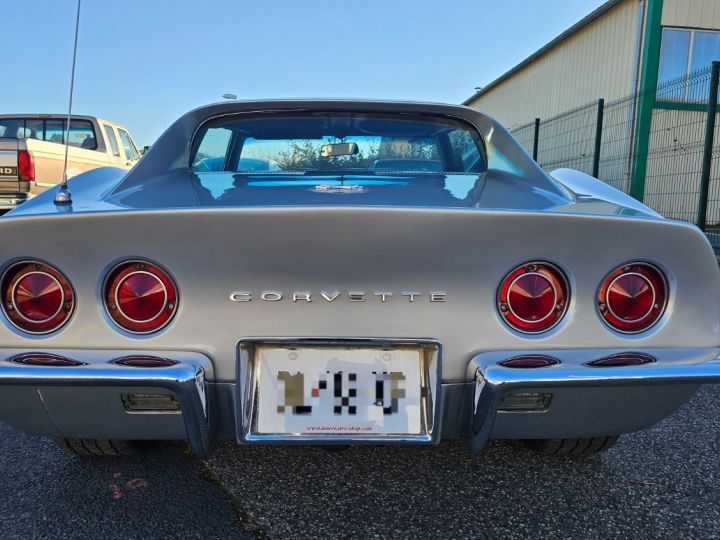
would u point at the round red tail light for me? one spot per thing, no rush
(633, 297)
(533, 297)
(37, 298)
(140, 296)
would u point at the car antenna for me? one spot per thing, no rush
(63, 196)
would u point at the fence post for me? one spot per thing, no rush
(598, 137)
(646, 91)
(709, 143)
(536, 139)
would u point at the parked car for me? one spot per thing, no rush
(32, 151)
(393, 273)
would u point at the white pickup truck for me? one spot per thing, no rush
(32, 151)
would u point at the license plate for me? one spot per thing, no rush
(339, 391)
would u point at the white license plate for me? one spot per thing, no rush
(338, 390)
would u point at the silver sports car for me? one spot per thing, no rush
(348, 272)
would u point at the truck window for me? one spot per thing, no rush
(130, 150)
(82, 134)
(11, 127)
(110, 134)
(33, 129)
(55, 131)
(22, 128)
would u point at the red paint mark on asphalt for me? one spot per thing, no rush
(133, 484)
(136, 483)
(116, 492)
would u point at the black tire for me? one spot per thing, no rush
(571, 447)
(97, 447)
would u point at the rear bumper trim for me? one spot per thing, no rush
(187, 379)
(493, 381)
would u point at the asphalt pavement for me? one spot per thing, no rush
(660, 483)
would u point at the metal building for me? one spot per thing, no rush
(650, 49)
(610, 53)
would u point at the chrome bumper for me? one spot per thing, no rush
(188, 380)
(493, 381)
(8, 202)
(210, 408)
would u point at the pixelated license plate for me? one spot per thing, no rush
(342, 391)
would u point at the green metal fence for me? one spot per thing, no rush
(669, 163)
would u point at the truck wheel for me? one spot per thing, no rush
(571, 447)
(97, 447)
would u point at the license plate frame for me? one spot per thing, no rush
(248, 388)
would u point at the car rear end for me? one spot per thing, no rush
(287, 304)
(17, 172)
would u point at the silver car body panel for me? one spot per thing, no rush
(345, 246)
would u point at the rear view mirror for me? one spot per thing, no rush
(339, 149)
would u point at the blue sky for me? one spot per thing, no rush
(145, 62)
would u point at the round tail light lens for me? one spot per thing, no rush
(633, 297)
(533, 297)
(37, 298)
(140, 296)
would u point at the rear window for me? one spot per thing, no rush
(82, 133)
(339, 143)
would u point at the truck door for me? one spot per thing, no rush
(131, 153)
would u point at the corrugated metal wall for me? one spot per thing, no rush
(691, 13)
(597, 61)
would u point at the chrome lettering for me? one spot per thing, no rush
(271, 296)
(330, 297)
(410, 294)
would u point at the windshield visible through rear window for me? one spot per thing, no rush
(339, 143)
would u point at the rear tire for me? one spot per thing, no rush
(97, 447)
(572, 447)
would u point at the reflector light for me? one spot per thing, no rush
(533, 297)
(529, 361)
(140, 297)
(150, 403)
(44, 359)
(37, 298)
(623, 359)
(632, 297)
(525, 402)
(26, 166)
(144, 361)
